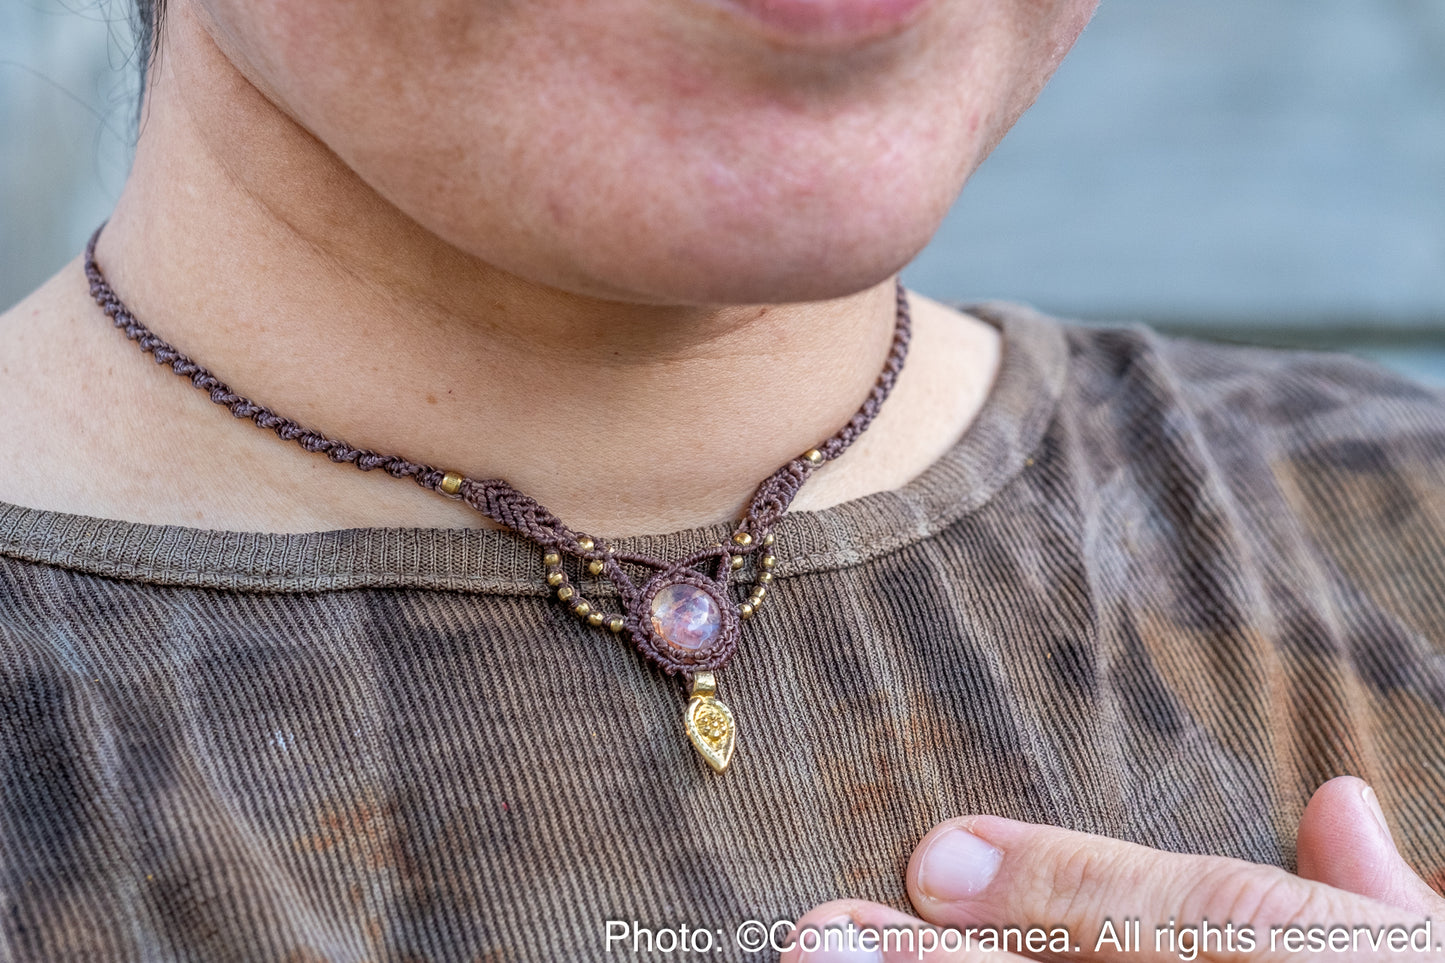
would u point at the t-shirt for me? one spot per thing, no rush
(1159, 590)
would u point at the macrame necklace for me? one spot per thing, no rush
(680, 614)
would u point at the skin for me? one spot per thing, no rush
(630, 256)
(1350, 874)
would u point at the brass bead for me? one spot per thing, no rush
(566, 592)
(736, 563)
(596, 619)
(742, 538)
(615, 623)
(758, 592)
(595, 566)
(745, 611)
(582, 608)
(551, 558)
(451, 483)
(586, 544)
(768, 540)
(768, 561)
(765, 577)
(555, 579)
(813, 456)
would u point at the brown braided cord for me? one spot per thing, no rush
(776, 493)
(499, 501)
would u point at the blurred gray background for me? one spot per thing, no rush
(1267, 170)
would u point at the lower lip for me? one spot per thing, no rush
(829, 22)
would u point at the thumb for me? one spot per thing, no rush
(1345, 842)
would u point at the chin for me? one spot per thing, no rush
(814, 261)
(760, 240)
(809, 260)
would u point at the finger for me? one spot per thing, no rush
(851, 931)
(1345, 842)
(984, 870)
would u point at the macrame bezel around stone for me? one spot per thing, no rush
(674, 659)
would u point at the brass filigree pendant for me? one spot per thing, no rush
(709, 723)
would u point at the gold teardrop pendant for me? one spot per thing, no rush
(709, 723)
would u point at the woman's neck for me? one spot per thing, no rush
(251, 247)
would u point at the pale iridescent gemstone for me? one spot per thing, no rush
(685, 616)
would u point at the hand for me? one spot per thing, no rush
(988, 872)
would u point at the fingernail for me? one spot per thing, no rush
(1374, 806)
(838, 941)
(957, 866)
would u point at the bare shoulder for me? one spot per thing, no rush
(32, 326)
(65, 406)
(41, 353)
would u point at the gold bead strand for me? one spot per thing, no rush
(767, 561)
(586, 611)
(557, 579)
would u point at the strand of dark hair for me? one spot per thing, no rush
(149, 19)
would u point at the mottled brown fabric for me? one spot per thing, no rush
(1160, 590)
